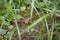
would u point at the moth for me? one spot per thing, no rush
(26, 21)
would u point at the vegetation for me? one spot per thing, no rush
(29, 19)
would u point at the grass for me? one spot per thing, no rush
(44, 18)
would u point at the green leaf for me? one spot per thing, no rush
(10, 16)
(1, 19)
(39, 4)
(18, 16)
(5, 23)
(17, 1)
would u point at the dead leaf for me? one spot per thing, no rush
(27, 21)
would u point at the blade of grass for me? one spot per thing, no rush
(32, 6)
(17, 27)
(52, 28)
(48, 31)
(11, 33)
(18, 30)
